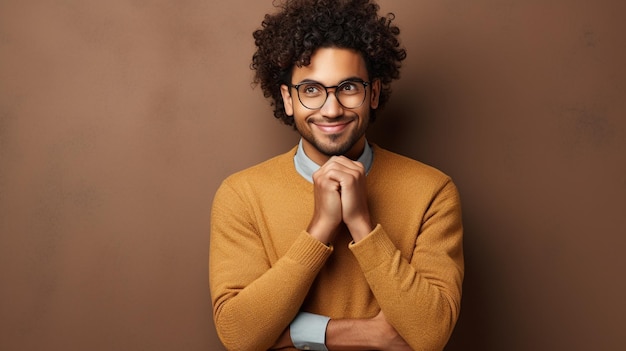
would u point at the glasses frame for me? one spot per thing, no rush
(336, 92)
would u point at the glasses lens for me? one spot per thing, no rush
(351, 94)
(312, 95)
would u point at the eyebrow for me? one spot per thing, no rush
(350, 79)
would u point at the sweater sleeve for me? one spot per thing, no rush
(420, 295)
(254, 300)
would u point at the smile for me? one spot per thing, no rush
(332, 128)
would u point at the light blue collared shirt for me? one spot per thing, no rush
(306, 167)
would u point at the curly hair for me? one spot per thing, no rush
(290, 37)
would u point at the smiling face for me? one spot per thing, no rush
(332, 129)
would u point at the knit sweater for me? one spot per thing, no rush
(264, 267)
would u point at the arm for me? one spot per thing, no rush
(356, 334)
(364, 334)
(340, 196)
(420, 296)
(254, 301)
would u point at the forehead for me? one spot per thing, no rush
(330, 66)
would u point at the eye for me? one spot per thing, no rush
(311, 89)
(349, 88)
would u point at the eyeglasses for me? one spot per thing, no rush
(313, 95)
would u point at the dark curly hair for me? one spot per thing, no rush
(290, 37)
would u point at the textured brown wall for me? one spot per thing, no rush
(118, 120)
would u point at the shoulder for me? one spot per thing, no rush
(279, 167)
(265, 181)
(392, 170)
(390, 162)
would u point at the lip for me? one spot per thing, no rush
(332, 128)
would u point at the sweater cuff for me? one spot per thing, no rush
(374, 249)
(309, 251)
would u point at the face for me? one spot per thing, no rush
(332, 129)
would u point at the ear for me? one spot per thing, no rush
(374, 98)
(287, 100)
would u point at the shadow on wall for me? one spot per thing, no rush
(471, 331)
(399, 125)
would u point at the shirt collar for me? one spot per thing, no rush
(306, 167)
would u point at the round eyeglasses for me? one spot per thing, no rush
(313, 95)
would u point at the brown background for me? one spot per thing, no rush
(119, 119)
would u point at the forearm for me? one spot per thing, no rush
(421, 298)
(418, 284)
(351, 334)
(256, 315)
(251, 314)
(355, 334)
(344, 334)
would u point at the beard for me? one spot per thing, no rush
(334, 146)
(338, 144)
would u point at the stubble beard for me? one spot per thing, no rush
(334, 149)
(333, 146)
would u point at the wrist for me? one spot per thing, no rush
(322, 232)
(360, 229)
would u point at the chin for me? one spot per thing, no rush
(335, 150)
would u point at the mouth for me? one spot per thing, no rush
(332, 128)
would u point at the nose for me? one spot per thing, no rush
(331, 108)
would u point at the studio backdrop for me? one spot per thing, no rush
(119, 119)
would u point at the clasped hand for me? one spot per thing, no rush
(340, 195)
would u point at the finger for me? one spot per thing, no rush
(343, 176)
(348, 163)
(343, 170)
(327, 178)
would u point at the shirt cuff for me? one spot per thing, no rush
(308, 331)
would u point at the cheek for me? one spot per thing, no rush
(299, 118)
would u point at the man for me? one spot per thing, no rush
(337, 244)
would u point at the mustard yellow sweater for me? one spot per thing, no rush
(264, 267)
